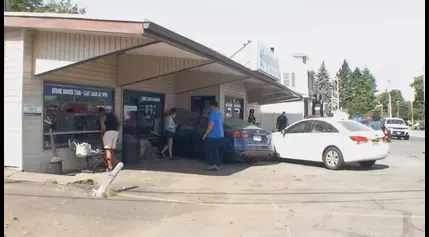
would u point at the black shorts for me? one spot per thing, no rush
(168, 134)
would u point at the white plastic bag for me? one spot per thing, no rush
(83, 149)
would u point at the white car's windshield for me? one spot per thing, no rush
(354, 126)
(395, 121)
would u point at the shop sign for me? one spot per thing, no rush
(267, 62)
(32, 109)
(130, 108)
(228, 105)
(58, 90)
(150, 99)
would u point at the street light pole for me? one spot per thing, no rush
(338, 94)
(397, 108)
(390, 99)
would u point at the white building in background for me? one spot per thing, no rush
(296, 75)
(290, 70)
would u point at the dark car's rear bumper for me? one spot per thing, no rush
(255, 152)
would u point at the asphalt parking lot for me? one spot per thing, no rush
(266, 200)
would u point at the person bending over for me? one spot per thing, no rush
(110, 124)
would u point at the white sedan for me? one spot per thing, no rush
(331, 141)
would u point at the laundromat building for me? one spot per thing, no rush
(61, 68)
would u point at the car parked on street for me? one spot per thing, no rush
(331, 141)
(379, 129)
(397, 128)
(242, 140)
(419, 125)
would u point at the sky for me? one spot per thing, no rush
(387, 36)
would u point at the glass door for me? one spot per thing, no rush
(234, 107)
(143, 114)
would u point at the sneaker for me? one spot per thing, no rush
(213, 168)
(109, 170)
(173, 158)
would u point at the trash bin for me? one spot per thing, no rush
(56, 166)
(131, 150)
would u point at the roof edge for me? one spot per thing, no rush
(166, 35)
(64, 16)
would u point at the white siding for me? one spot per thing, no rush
(138, 67)
(100, 72)
(184, 99)
(233, 89)
(162, 85)
(269, 113)
(13, 96)
(191, 80)
(54, 50)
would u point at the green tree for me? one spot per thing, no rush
(419, 98)
(362, 97)
(418, 86)
(24, 5)
(323, 83)
(344, 76)
(63, 6)
(398, 102)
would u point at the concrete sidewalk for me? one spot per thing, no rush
(415, 133)
(16, 175)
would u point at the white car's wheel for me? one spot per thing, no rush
(333, 158)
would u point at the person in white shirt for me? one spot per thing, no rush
(169, 131)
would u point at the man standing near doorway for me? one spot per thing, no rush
(282, 122)
(213, 136)
(110, 124)
(251, 119)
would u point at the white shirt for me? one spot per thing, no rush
(169, 124)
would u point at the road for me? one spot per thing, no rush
(286, 199)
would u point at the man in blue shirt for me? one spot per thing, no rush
(213, 136)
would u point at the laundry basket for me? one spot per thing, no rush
(94, 158)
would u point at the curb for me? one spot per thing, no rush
(15, 175)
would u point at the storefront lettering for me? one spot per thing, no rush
(150, 99)
(55, 90)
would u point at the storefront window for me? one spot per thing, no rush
(73, 111)
(143, 114)
(234, 107)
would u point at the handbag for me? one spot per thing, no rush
(83, 149)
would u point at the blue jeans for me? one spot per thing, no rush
(211, 150)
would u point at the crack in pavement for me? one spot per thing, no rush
(407, 223)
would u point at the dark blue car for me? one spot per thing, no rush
(242, 140)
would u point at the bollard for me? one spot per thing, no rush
(112, 175)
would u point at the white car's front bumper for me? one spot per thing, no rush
(399, 132)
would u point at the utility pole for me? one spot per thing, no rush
(382, 110)
(390, 98)
(424, 105)
(412, 111)
(338, 94)
(397, 108)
